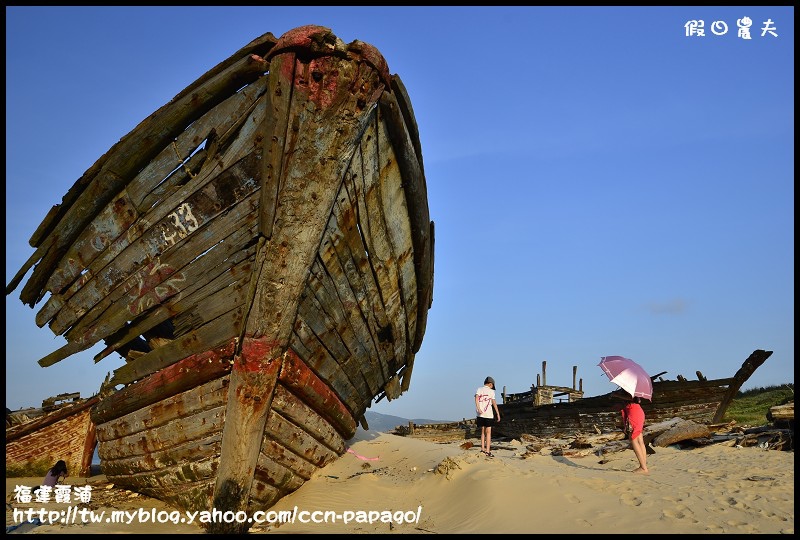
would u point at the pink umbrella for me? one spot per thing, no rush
(628, 375)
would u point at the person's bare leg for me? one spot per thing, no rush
(488, 440)
(641, 454)
(483, 439)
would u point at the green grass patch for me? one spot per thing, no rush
(750, 407)
(37, 467)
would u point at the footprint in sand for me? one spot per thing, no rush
(573, 499)
(732, 502)
(679, 512)
(630, 500)
(741, 525)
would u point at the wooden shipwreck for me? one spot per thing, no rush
(701, 401)
(260, 252)
(61, 429)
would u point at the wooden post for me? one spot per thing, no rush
(574, 374)
(252, 383)
(544, 372)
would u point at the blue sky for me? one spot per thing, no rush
(601, 183)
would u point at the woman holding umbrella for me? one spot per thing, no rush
(634, 380)
(633, 423)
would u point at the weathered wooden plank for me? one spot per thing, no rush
(313, 353)
(225, 265)
(262, 493)
(198, 399)
(116, 462)
(781, 413)
(193, 496)
(299, 378)
(162, 175)
(109, 224)
(409, 119)
(191, 371)
(180, 176)
(179, 238)
(211, 305)
(275, 451)
(216, 127)
(392, 202)
(275, 475)
(344, 280)
(313, 314)
(148, 138)
(370, 268)
(758, 357)
(294, 409)
(176, 478)
(415, 191)
(171, 435)
(275, 132)
(683, 430)
(319, 283)
(368, 188)
(296, 439)
(211, 335)
(351, 252)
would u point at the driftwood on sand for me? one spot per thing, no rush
(781, 413)
(675, 431)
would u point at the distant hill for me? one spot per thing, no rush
(385, 423)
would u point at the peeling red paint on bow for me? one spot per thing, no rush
(257, 354)
(301, 380)
(183, 375)
(317, 52)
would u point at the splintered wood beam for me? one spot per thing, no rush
(758, 357)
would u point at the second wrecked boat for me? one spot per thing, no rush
(703, 401)
(260, 252)
(61, 429)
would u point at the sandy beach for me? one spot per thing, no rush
(391, 484)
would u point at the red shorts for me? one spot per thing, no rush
(633, 413)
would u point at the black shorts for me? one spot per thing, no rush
(485, 422)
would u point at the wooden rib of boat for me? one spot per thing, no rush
(61, 429)
(702, 401)
(260, 252)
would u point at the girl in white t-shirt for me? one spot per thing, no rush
(486, 405)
